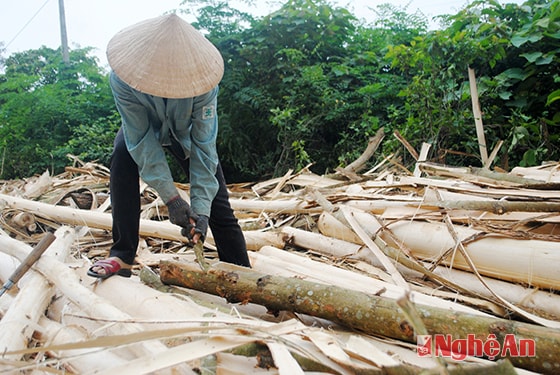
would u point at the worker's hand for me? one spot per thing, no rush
(197, 232)
(200, 229)
(180, 213)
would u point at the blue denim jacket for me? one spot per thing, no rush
(148, 124)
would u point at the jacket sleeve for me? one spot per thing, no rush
(141, 141)
(203, 154)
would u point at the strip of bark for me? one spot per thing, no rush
(367, 313)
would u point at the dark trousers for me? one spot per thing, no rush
(125, 200)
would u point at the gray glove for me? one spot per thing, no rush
(201, 227)
(180, 212)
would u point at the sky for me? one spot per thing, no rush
(30, 24)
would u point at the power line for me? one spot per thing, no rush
(27, 24)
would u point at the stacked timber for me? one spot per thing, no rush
(449, 270)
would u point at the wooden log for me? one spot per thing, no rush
(546, 173)
(144, 303)
(25, 220)
(462, 211)
(473, 186)
(314, 242)
(8, 265)
(457, 249)
(498, 207)
(68, 283)
(276, 262)
(255, 240)
(94, 219)
(285, 206)
(148, 228)
(166, 230)
(81, 361)
(485, 176)
(412, 269)
(529, 298)
(203, 300)
(19, 322)
(373, 144)
(364, 312)
(529, 262)
(330, 226)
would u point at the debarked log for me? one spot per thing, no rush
(498, 207)
(367, 313)
(100, 220)
(487, 176)
(528, 262)
(19, 322)
(68, 283)
(528, 298)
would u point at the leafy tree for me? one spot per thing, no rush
(530, 82)
(286, 85)
(376, 85)
(513, 50)
(217, 17)
(309, 84)
(43, 101)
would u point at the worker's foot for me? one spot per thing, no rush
(105, 268)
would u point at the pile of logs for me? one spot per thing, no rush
(351, 274)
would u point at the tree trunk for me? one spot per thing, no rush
(497, 207)
(530, 298)
(67, 281)
(485, 176)
(373, 144)
(276, 262)
(19, 322)
(542, 173)
(81, 361)
(529, 262)
(367, 313)
(99, 220)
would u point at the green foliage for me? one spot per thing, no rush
(514, 51)
(92, 141)
(309, 84)
(217, 17)
(308, 81)
(397, 26)
(44, 103)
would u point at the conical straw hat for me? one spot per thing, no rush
(165, 56)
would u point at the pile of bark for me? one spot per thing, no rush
(350, 273)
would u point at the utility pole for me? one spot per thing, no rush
(63, 35)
